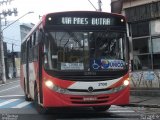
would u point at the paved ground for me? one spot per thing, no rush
(9, 80)
(145, 101)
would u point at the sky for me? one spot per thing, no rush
(41, 7)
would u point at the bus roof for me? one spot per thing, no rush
(64, 12)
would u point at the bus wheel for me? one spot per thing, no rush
(26, 95)
(101, 108)
(38, 107)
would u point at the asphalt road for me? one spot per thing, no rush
(14, 107)
(11, 89)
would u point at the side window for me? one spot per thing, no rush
(34, 39)
(23, 53)
(30, 42)
(30, 49)
(35, 47)
(38, 35)
(35, 53)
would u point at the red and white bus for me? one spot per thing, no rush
(76, 59)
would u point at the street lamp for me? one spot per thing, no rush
(17, 19)
(1, 45)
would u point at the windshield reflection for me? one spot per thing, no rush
(84, 51)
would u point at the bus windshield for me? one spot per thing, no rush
(85, 50)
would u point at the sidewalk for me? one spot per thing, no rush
(145, 97)
(145, 101)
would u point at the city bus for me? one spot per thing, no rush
(76, 59)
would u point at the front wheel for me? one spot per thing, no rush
(26, 94)
(101, 108)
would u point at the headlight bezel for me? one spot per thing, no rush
(54, 87)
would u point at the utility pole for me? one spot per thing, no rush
(99, 5)
(13, 61)
(3, 75)
(4, 13)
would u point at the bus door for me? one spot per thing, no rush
(40, 64)
(27, 66)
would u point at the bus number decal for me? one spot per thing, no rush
(102, 84)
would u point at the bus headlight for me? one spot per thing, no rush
(54, 87)
(126, 82)
(49, 84)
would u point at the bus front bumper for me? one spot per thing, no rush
(54, 99)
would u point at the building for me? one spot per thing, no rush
(12, 63)
(143, 17)
(12, 37)
(24, 29)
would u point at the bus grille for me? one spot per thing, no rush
(88, 78)
(81, 100)
(83, 90)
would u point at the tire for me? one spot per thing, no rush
(25, 94)
(101, 108)
(40, 109)
(27, 98)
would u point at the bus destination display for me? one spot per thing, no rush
(85, 21)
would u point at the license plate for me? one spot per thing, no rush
(89, 98)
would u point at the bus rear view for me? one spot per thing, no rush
(83, 61)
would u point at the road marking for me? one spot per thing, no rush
(4, 96)
(121, 111)
(7, 102)
(119, 108)
(23, 104)
(9, 83)
(9, 88)
(15, 103)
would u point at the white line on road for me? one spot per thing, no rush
(4, 96)
(22, 105)
(121, 111)
(7, 102)
(119, 108)
(9, 83)
(9, 88)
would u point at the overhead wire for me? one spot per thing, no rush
(92, 5)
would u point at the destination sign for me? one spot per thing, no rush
(79, 19)
(85, 21)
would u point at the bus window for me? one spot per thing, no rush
(107, 45)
